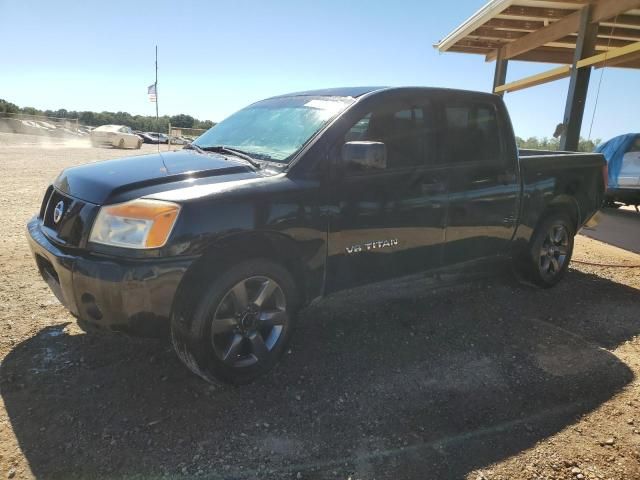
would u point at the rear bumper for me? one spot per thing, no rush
(133, 296)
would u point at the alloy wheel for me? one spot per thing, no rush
(554, 250)
(249, 321)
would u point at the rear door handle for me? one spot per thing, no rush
(433, 187)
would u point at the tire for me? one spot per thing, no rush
(121, 143)
(241, 324)
(550, 250)
(139, 144)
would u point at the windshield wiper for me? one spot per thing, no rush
(232, 151)
(222, 149)
(193, 146)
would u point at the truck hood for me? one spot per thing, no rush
(111, 181)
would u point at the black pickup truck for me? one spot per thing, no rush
(298, 196)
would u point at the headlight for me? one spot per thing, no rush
(139, 223)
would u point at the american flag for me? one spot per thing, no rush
(151, 90)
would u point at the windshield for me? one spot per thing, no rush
(274, 129)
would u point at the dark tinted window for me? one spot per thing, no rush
(404, 131)
(471, 133)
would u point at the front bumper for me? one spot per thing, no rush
(133, 296)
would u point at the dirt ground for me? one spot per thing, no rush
(487, 380)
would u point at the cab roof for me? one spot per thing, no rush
(353, 92)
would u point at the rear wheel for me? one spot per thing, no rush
(550, 250)
(241, 325)
(139, 144)
(121, 143)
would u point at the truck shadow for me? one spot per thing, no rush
(378, 383)
(618, 228)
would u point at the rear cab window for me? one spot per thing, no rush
(471, 133)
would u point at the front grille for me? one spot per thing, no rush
(66, 219)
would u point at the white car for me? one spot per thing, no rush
(119, 136)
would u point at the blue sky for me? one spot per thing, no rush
(215, 57)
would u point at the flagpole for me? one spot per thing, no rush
(157, 116)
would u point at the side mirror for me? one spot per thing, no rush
(365, 155)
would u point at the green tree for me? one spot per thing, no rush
(182, 120)
(8, 107)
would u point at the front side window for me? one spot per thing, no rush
(471, 133)
(403, 130)
(277, 128)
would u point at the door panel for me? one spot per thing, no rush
(387, 225)
(387, 222)
(483, 203)
(484, 189)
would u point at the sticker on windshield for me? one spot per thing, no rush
(324, 104)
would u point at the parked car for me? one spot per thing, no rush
(119, 136)
(138, 134)
(173, 140)
(623, 160)
(298, 196)
(154, 138)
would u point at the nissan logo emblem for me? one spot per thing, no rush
(58, 211)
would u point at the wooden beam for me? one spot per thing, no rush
(631, 60)
(477, 50)
(536, 12)
(571, 40)
(559, 29)
(604, 33)
(575, 2)
(538, 79)
(624, 21)
(611, 55)
(517, 25)
(606, 9)
(619, 32)
(547, 55)
(567, 25)
(493, 34)
(468, 42)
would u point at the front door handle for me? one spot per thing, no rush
(507, 178)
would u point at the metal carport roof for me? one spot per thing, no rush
(508, 25)
(579, 34)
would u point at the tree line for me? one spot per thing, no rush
(144, 123)
(544, 143)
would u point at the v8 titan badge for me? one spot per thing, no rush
(373, 245)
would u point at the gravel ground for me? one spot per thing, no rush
(487, 380)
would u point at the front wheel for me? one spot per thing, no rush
(241, 325)
(121, 143)
(550, 250)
